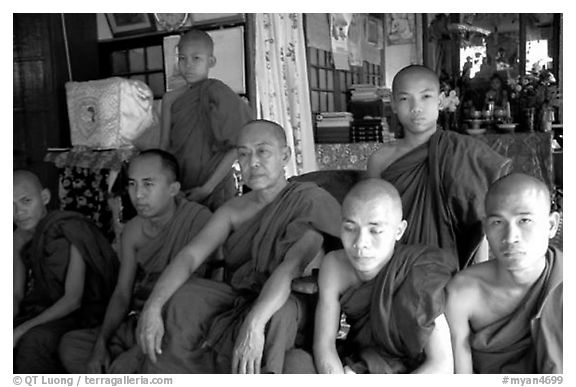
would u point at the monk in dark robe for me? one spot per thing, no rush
(269, 235)
(200, 124)
(64, 274)
(505, 314)
(392, 295)
(442, 176)
(164, 224)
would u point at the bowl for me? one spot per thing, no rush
(475, 123)
(475, 132)
(507, 127)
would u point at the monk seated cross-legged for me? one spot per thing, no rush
(64, 274)
(164, 224)
(505, 314)
(269, 236)
(392, 295)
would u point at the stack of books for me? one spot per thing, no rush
(367, 92)
(333, 127)
(369, 130)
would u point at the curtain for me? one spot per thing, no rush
(282, 84)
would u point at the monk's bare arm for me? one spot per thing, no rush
(327, 319)
(374, 166)
(150, 325)
(120, 301)
(439, 358)
(166, 115)
(68, 303)
(274, 294)
(458, 317)
(19, 273)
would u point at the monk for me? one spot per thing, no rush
(64, 273)
(505, 314)
(200, 124)
(442, 176)
(392, 295)
(269, 236)
(164, 224)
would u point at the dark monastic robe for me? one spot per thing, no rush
(76, 347)
(46, 259)
(206, 120)
(203, 317)
(442, 184)
(529, 339)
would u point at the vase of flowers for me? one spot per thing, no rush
(533, 94)
(449, 102)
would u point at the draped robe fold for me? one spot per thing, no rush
(203, 317)
(152, 257)
(392, 316)
(442, 184)
(46, 258)
(206, 120)
(529, 339)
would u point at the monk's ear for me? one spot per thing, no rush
(286, 153)
(174, 188)
(401, 229)
(212, 61)
(554, 223)
(45, 195)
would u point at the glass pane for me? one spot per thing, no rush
(315, 100)
(156, 83)
(136, 57)
(313, 56)
(539, 43)
(331, 102)
(313, 78)
(119, 62)
(330, 84)
(154, 58)
(323, 101)
(140, 77)
(322, 77)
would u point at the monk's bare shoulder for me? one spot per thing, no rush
(238, 210)
(469, 285)
(339, 270)
(132, 235)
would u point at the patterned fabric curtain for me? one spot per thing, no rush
(282, 84)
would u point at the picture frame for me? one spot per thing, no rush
(230, 59)
(122, 24)
(204, 19)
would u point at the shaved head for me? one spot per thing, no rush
(516, 184)
(27, 177)
(411, 71)
(273, 128)
(197, 36)
(375, 189)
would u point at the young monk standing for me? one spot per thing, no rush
(164, 224)
(505, 314)
(442, 176)
(392, 294)
(269, 236)
(200, 124)
(64, 274)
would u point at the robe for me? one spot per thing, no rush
(529, 339)
(392, 316)
(442, 184)
(153, 256)
(206, 120)
(203, 317)
(46, 259)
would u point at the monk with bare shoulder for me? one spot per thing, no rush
(505, 314)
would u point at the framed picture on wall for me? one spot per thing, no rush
(400, 28)
(122, 24)
(229, 53)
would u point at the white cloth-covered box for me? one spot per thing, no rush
(109, 113)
